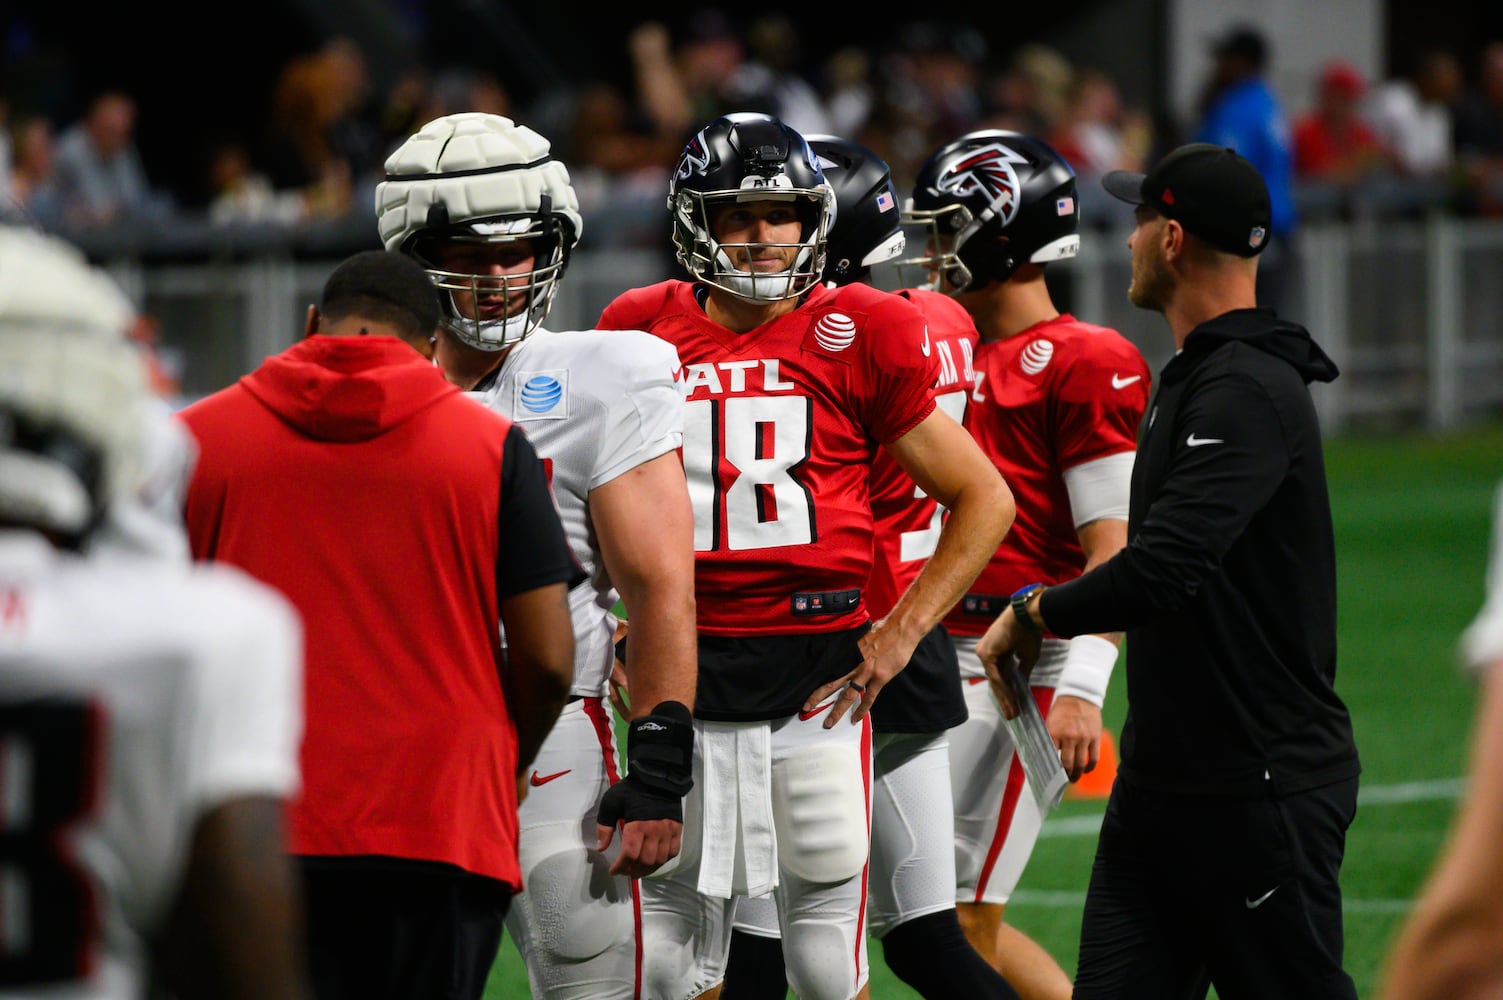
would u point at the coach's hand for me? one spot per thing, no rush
(1075, 725)
(649, 800)
(1006, 637)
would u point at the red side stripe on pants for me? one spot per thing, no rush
(595, 709)
(1044, 697)
(866, 776)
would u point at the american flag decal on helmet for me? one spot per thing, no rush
(989, 172)
(885, 202)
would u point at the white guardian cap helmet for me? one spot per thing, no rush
(74, 394)
(482, 179)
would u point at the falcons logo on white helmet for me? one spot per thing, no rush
(988, 172)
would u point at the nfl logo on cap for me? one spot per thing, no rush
(1256, 237)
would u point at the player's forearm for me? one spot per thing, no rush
(662, 648)
(980, 517)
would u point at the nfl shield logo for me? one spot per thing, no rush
(800, 603)
(1256, 237)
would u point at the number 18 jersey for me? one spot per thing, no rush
(781, 426)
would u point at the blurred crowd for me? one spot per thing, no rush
(1430, 136)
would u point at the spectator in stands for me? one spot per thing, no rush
(99, 170)
(34, 194)
(771, 78)
(1478, 137)
(239, 192)
(1240, 110)
(1098, 134)
(1331, 141)
(319, 141)
(1412, 115)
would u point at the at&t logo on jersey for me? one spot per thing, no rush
(1035, 357)
(835, 331)
(542, 395)
(989, 172)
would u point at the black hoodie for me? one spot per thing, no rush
(1227, 586)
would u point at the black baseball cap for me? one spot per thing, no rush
(1215, 193)
(1242, 41)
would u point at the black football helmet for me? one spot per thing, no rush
(745, 157)
(989, 202)
(868, 229)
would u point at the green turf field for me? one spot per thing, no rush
(1411, 531)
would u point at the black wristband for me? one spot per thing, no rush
(660, 749)
(621, 650)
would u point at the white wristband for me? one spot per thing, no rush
(1088, 669)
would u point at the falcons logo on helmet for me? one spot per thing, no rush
(987, 172)
(696, 158)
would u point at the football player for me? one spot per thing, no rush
(150, 709)
(912, 876)
(1056, 406)
(794, 389)
(481, 203)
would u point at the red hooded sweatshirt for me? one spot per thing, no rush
(348, 474)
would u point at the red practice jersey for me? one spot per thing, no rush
(907, 519)
(781, 426)
(1057, 395)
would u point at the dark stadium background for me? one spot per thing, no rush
(204, 68)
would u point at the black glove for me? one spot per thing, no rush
(659, 769)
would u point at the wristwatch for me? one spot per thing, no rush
(1019, 601)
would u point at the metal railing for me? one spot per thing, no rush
(1410, 309)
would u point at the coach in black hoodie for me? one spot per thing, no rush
(1221, 848)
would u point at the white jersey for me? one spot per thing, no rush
(594, 404)
(135, 696)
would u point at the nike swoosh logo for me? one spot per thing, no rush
(538, 780)
(1118, 382)
(1253, 904)
(806, 716)
(1195, 442)
(926, 341)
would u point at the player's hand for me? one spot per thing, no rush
(648, 803)
(646, 844)
(884, 652)
(1005, 637)
(620, 695)
(1075, 725)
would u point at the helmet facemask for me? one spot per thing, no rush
(940, 233)
(714, 262)
(491, 312)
